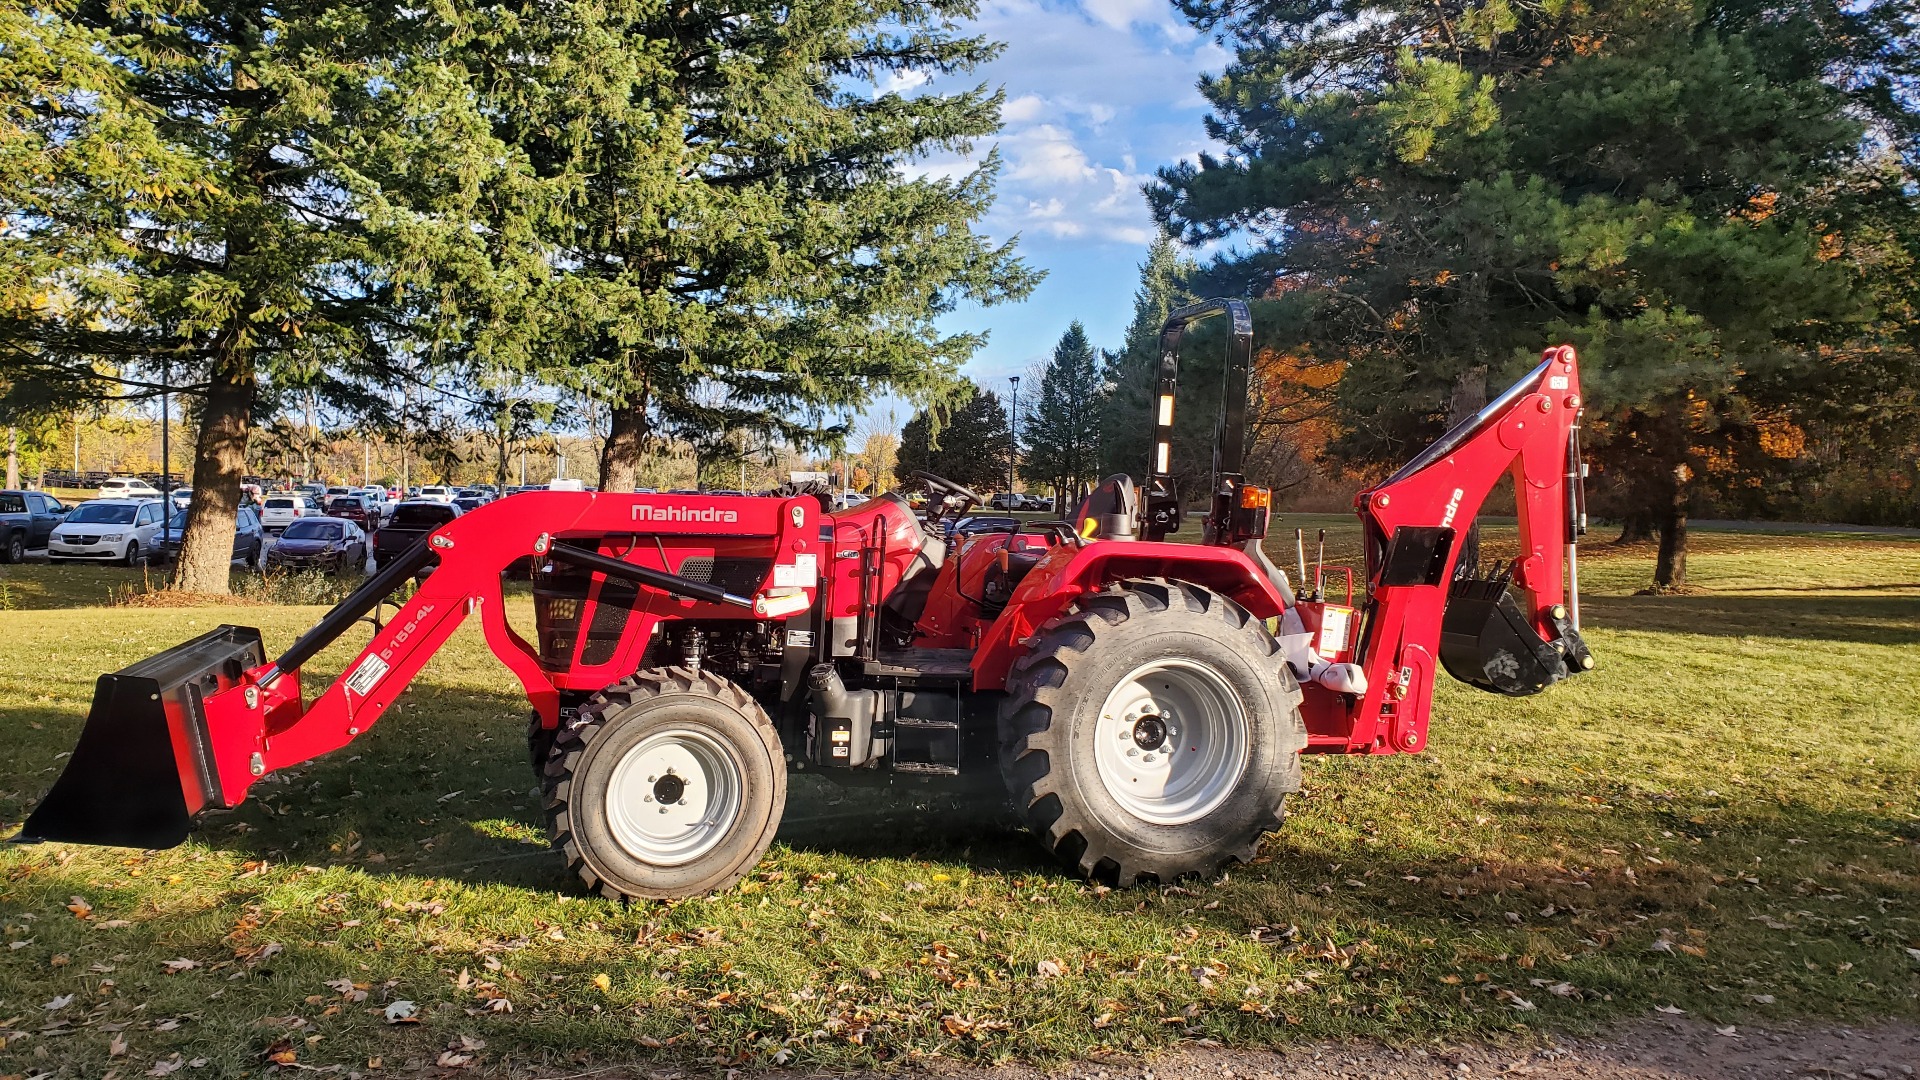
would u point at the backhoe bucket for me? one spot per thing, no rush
(143, 767)
(1487, 641)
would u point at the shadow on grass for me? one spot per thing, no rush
(1867, 620)
(442, 787)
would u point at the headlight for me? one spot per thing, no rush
(111, 537)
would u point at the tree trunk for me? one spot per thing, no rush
(620, 459)
(13, 456)
(1670, 569)
(1469, 395)
(219, 464)
(1636, 527)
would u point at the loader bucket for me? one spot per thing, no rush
(1487, 641)
(143, 768)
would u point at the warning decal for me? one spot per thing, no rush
(364, 677)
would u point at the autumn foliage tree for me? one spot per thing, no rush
(1702, 197)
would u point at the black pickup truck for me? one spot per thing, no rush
(27, 518)
(411, 520)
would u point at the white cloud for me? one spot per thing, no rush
(1121, 14)
(1023, 109)
(900, 82)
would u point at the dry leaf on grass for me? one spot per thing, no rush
(179, 964)
(402, 1012)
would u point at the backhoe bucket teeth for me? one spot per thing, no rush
(143, 768)
(1488, 642)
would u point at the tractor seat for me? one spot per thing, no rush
(1109, 510)
(1010, 567)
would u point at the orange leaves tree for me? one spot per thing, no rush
(1687, 192)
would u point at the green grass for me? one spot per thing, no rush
(1723, 818)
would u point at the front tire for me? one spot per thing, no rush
(671, 784)
(133, 554)
(1154, 731)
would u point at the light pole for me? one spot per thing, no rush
(1013, 432)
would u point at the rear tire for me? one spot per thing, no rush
(16, 549)
(1151, 667)
(671, 784)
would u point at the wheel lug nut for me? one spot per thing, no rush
(646, 798)
(1131, 752)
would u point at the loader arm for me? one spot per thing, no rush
(193, 728)
(1512, 630)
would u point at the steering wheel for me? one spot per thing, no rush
(952, 496)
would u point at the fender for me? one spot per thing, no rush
(1074, 569)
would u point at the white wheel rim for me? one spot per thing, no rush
(1172, 741)
(674, 796)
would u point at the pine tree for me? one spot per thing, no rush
(1126, 423)
(1678, 189)
(1060, 437)
(968, 445)
(741, 245)
(229, 197)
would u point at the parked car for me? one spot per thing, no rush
(315, 490)
(106, 530)
(328, 544)
(382, 503)
(439, 493)
(470, 503)
(128, 487)
(249, 537)
(281, 511)
(355, 508)
(27, 519)
(411, 521)
(980, 523)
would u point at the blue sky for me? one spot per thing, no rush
(1100, 93)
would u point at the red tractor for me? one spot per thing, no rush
(1146, 702)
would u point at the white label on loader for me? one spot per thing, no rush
(803, 574)
(1333, 631)
(1556, 382)
(364, 677)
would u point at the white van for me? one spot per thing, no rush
(128, 487)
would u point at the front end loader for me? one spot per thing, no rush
(1146, 702)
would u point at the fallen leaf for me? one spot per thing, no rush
(450, 1060)
(602, 983)
(118, 1047)
(402, 1012)
(1670, 1010)
(179, 964)
(1760, 999)
(1728, 1031)
(58, 1003)
(163, 1068)
(80, 908)
(111, 924)
(1048, 969)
